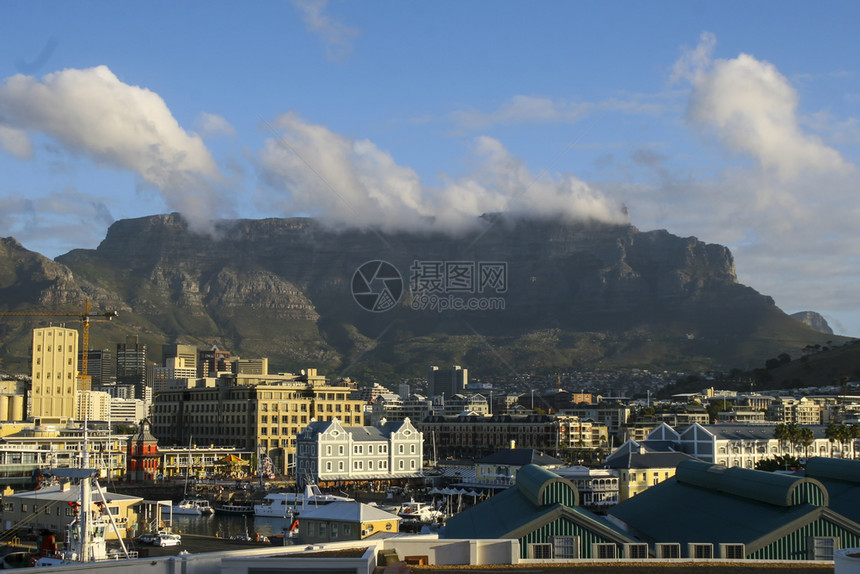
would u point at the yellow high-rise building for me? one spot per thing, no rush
(54, 372)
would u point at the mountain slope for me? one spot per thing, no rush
(574, 295)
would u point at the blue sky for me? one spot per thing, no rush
(734, 122)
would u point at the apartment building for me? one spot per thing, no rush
(462, 435)
(54, 373)
(802, 411)
(258, 413)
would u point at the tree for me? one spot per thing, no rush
(840, 433)
(779, 462)
(805, 438)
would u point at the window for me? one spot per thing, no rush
(700, 550)
(668, 550)
(322, 528)
(636, 550)
(347, 529)
(540, 551)
(565, 547)
(732, 551)
(822, 548)
(603, 551)
(334, 530)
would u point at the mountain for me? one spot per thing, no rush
(547, 295)
(814, 320)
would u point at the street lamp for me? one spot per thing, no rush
(533, 399)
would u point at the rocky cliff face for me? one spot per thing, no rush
(283, 288)
(814, 320)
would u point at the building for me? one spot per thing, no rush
(475, 435)
(499, 470)
(188, 354)
(598, 487)
(328, 451)
(52, 508)
(614, 414)
(802, 411)
(213, 361)
(639, 467)
(339, 521)
(93, 406)
(127, 411)
(142, 457)
(203, 461)
(131, 367)
(542, 512)
(163, 377)
(711, 511)
(54, 373)
(60, 444)
(447, 382)
(393, 407)
(101, 366)
(261, 414)
(13, 400)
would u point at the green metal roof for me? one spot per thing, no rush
(837, 468)
(841, 477)
(532, 504)
(542, 487)
(769, 487)
(674, 511)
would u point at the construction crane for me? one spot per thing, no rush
(84, 317)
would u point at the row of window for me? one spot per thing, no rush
(568, 548)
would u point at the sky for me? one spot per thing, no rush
(733, 122)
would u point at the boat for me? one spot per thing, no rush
(85, 534)
(419, 512)
(190, 507)
(232, 507)
(290, 504)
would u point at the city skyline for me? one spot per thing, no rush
(732, 123)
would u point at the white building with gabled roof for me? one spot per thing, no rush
(327, 451)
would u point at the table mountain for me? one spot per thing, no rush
(541, 295)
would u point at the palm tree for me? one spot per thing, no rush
(781, 433)
(853, 432)
(833, 433)
(805, 438)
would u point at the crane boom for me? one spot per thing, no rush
(84, 317)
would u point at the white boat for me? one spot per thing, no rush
(420, 512)
(190, 507)
(289, 504)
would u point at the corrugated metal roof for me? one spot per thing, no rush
(673, 511)
(841, 478)
(514, 511)
(770, 487)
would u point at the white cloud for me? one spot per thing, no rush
(790, 215)
(353, 183)
(338, 37)
(16, 143)
(91, 112)
(211, 124)
(752, 110)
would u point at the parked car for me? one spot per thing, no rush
(168, 539)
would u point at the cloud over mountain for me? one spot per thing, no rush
(310, 169)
